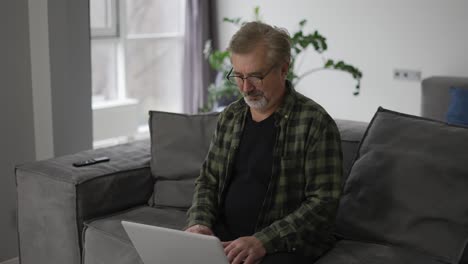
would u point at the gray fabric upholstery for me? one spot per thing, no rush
(54, 198)
(435, 97)
(464, 259)
(47, 225)
(435, 101)
(351, 134)
(353, 252)
(107, 242)
(102, 248)
(408, 186)
(179, 144)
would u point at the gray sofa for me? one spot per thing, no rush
(72, 215)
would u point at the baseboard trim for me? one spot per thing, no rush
(11, 261)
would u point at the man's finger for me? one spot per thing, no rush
(206, 232)
(251, 259)
(233, 254)
(226, 243)
(199, 229)
(240, 257)
(229, 247)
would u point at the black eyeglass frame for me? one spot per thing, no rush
(260, 78)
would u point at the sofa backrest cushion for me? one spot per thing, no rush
(179, 144)
(408, 186)
(351, 134)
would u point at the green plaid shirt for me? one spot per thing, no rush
(298, 213)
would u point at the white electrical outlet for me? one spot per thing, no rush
(406, 75)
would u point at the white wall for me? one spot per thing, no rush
(70, 75)
(16, 115)
(40, 77)
(377, 36)
(60, 76)
(45, 96)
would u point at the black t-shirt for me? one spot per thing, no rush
(250, 177)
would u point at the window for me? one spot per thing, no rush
(103, 16)
(137, 54)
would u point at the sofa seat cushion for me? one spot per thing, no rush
(105, 240)
(408, 186)
(353, 252)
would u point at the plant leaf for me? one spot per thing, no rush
(236, 21)
(302, 23)
(300, 41)
(257, 13)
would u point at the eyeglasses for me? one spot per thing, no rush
(255, 80)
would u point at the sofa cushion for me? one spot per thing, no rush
(408, 186)
(354, 252)
(351, 134)
(464, 259)
(179, 144)
(105, 240)
(457, 113)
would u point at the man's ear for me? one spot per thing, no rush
(284, 70)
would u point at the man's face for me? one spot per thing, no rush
(268, 90)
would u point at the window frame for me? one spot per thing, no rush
(118, 34)
(113, 30)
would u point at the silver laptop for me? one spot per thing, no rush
(157, 245)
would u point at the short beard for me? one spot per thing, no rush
(258, 104)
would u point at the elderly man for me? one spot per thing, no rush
(271, 181)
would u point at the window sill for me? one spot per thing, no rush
(113, 103)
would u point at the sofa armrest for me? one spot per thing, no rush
(55, 198)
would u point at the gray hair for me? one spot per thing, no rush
(251, 34)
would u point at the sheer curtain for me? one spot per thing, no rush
(200, 25)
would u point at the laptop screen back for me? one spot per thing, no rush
(157, 245)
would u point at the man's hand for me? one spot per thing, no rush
(200, 229)
(247, 250)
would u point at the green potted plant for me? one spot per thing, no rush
(221, 92)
